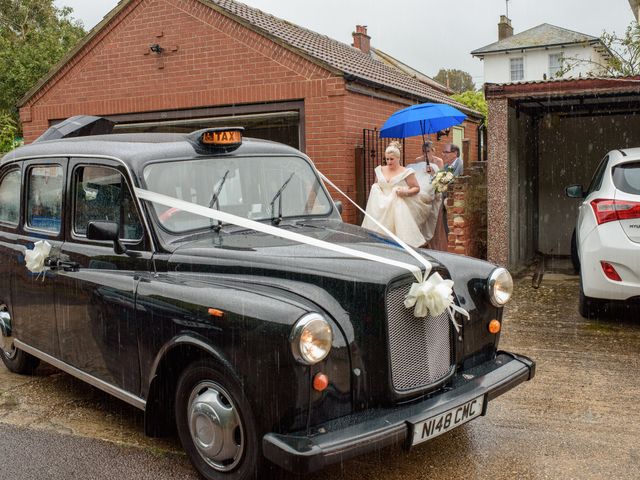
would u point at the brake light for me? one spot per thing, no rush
(610, 210)
(610, 272)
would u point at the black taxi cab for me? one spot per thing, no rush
(257, 347)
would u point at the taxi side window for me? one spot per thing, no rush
(102, 194)
(10, 197)
(44, 199)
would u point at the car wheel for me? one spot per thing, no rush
(15, 360)
(215, 423)
(591, 307)
(575, 259)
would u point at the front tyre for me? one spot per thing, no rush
(215, 423)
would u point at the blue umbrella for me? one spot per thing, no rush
(421, 119)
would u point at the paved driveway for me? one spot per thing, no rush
(577, 419)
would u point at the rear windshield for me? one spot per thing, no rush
(626, 177)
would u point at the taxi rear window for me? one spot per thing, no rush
(626, 177)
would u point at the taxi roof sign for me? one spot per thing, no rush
(225, 137)
(220, 139)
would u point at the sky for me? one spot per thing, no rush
(425, 34)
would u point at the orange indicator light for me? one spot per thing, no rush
(494, 326)
(214, 312)
(320, 382)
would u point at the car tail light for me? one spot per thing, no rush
(610, 210)
(610, 272)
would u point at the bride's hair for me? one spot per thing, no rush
(394, 148)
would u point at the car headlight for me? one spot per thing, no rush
(500, 286)
(311, 339)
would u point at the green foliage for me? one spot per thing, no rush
(457, 80)
(34, 36)
(8, 133)
(624, 55)
(475, 100)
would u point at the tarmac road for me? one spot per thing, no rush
(579, 418)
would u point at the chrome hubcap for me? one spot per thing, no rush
(6, 340)
(215, 426)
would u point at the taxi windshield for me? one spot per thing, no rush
(249, 187)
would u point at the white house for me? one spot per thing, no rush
(540, 53)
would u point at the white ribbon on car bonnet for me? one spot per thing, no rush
(430, 294)
(423, 296)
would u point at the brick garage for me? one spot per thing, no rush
(222, 58)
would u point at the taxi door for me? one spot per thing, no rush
(96, 286)
(42, 217)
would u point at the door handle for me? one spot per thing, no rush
(57, 264)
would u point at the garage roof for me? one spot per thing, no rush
(336, 56)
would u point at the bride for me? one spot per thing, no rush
(393, 200)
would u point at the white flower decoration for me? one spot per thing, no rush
(433, 295)
(34, 259)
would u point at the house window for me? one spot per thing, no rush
(517, 69)
(555, 65)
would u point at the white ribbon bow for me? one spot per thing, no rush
(432, 295)
(34, 259)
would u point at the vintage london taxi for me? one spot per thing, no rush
(209, 280)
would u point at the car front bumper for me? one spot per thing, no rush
(373, 429)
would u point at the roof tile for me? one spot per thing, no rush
(338, 55)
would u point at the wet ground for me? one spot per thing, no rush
(579, 418)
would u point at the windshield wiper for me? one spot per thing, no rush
(278, 196)
(214, 200)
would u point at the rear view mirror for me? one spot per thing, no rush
(574, 191)
(106, 231)
(338, 206)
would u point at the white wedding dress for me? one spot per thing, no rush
(401, 215)
(428, 196)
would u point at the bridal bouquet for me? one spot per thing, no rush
(442, 180)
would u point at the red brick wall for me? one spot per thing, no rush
(467, 212)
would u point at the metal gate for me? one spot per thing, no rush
(373, 152)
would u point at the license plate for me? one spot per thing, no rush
(434, 426)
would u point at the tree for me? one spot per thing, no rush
(475, 100)
(457, 80)
(8, 133)
(623, 59)
(34, 36)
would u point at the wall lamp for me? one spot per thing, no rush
(442, 133)
(156, 48)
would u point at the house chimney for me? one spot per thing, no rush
(361, 40)
(505, 30)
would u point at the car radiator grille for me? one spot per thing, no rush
(419, 348)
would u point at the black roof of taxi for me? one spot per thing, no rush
(137, 149)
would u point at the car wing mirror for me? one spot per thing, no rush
(106, 231)
(338, 206)
(574, 191)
